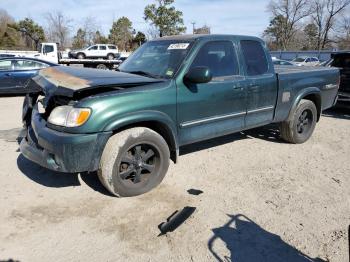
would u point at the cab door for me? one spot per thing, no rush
(261, 82)
(102, 51)
(216, 108)
(49, 53)
(92, 51)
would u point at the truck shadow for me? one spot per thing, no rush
(268, 133)
(50, 178)
(337, 112)
(246, 241)
(11, 135)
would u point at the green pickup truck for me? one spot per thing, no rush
(171, 92)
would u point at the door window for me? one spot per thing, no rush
(93, 48)
(5, 65)
(102, 47)
(220, 57)
(254, 57)
(48, 48)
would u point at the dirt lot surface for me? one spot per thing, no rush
(262, 200)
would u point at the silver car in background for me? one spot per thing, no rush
(306, 61)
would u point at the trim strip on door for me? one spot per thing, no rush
(210, 119)
(262, 109)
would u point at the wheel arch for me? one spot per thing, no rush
(82, 53)
(157, 121)
(313, 94)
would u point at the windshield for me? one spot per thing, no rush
(299, 59)
(157, 58)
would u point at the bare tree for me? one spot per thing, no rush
(292, 11)
(5, 19)
(343, 33)
(152, 32)
(59, 28)
(324, 14)
(90, 26)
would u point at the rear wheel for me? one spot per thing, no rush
(102, 67)
(302, 124)
(133, 162)
(110, 56)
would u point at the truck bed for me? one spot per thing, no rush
(293, 80)
(298, 69)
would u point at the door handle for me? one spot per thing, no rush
(237, 87)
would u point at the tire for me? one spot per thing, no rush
(302, 124)
(134, 162)
(102, 67)
(110, 57)
(81, 56)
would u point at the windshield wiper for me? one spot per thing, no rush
(143, 73)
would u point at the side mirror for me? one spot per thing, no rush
(198, 75)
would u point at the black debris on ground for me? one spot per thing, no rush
(175, 220)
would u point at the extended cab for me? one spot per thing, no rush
(171, 92)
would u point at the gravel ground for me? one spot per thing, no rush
(262, 200)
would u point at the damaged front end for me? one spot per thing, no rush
(55, 150)
(58, 147)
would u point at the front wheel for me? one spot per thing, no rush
(81, 56)
(302, 124)
(134, 162)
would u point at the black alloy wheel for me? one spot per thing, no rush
(304, 121)
(139, 163)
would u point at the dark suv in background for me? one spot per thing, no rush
(342, 61)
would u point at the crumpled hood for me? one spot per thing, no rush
(68, 81)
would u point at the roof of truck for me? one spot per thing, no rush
(203, 36)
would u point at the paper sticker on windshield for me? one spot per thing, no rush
(178, 46)
(169, 72)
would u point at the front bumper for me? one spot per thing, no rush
(62, 152)
(72, 55)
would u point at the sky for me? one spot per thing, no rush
(222, 16)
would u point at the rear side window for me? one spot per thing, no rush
(28, 65)
(254, 57)
(112, 47)
(342, 61)
(219, 57)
